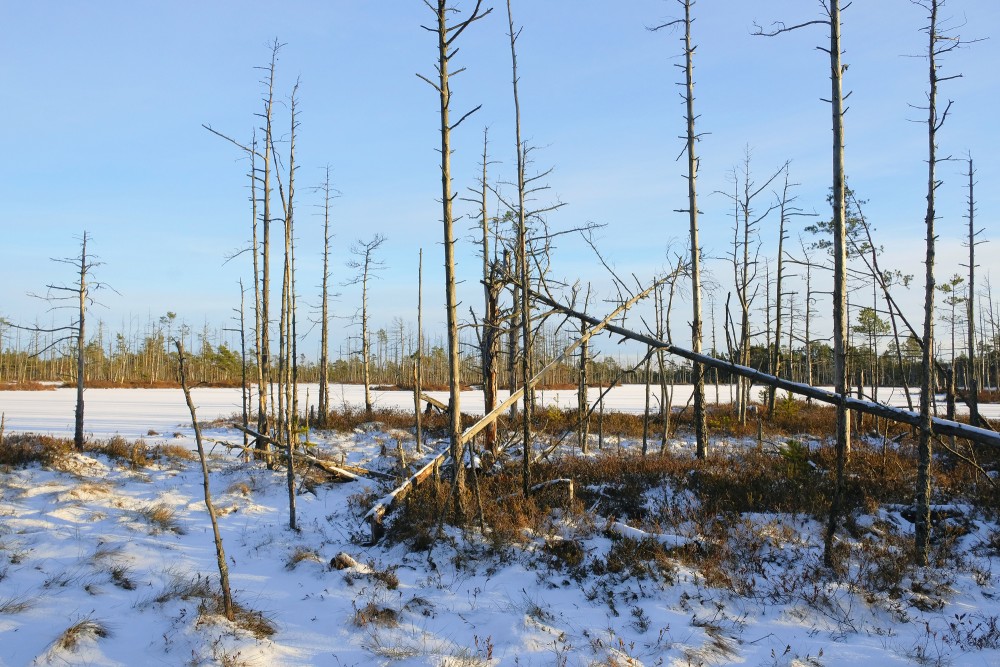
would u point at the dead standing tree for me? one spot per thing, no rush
(691, 138)
(261, 247)
(367, 267)
(744, 259)
(491, 330)
(832, 22)
(447, 34)
(76, 297)
(528, 252)
(940, 42)
(324, 345)
(972, 382)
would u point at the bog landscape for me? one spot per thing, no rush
(518, 436)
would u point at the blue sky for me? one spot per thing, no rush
(104, 103)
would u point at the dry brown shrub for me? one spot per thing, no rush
(22, 449)
(162, 517)
(29, 385)
(175, 452)
(85, 628)
(137, 454)
(373, 614)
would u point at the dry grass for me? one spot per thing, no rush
(162, 518)
(302, 554)
(16, 604)
(210, 607)
(83, 630)
(23, 449)
(29, 385)
(373, 614)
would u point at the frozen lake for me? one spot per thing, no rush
(132, 413)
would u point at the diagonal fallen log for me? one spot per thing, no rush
(443, 407)
(385, 503)
(980, 436)
(599, 325)
(349, 472)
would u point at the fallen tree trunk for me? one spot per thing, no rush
(375, 514)
(492, 416)
(346, 471)
(980, 436)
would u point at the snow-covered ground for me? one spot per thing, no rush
(123, 555)
(132, 413)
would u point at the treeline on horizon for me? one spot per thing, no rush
(146, 360)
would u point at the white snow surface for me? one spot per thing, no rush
(76, 545)
(132, 413)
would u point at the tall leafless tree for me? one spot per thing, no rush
(447, 34)
(832, 9)
(367, 267)
(940, 41)
(324, 331)
(691, 138)
(972, 381)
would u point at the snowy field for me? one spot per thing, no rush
(132, 413)
(120, 555)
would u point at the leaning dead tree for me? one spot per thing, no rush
(977, 435)
(447, 33)
(840, 331)
(691, 138)
(220, 552)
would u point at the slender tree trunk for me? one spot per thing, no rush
(263, 418)
(419, 367)
(922, 526)
(489, 348)
(524, 310)
(972, 381)
(700, 427)
(446, 37)
(220, 553)
(840, 329)
(81, 347)
(324, 345)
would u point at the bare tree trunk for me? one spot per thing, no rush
(367, 266)
(922, 527)
(972, 382)
(324, 345)
(698, 371)
(840, 329)
(446, 37)
(263, 420)
(244, 386)
(220, 553)
(490, 338)
(81, 347)
(784, 212)
(524, 309)
(419, 366)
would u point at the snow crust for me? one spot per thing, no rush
(77, 545)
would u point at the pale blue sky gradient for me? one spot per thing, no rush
(104, 102)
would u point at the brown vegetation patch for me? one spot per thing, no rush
(27, 386)
(22, 449)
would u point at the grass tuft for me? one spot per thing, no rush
(162, 517)
(83, 630)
